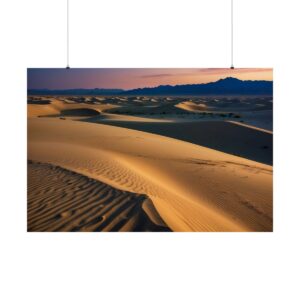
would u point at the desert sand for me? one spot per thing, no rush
(88, 205)
(160, 174)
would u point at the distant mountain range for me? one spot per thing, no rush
(227, 86)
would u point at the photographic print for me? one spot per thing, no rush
(150, 150)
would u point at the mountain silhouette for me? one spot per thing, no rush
(226, 86)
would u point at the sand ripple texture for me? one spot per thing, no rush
(62, 200)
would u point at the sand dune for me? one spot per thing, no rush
(191, 106)
(231, 137)
(61, 108)
(80, 112)
(61, 200)
(193, 188)
(161, 108)
(251, 127)
(255, 112)
(107, 117)
(35, 110)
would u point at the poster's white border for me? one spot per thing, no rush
(140, 33)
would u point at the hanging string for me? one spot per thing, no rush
(231, 67)
(68, 37)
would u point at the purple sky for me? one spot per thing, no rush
(134, 78)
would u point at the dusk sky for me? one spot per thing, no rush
(134, 78)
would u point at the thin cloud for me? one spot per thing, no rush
(209, 71)
(217, 71)
(157, 75)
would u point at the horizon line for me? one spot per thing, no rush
(116, 88)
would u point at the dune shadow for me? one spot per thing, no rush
(227, 137)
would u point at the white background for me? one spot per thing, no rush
(140, 33)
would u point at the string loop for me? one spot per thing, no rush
(68, 36)
(231, 14)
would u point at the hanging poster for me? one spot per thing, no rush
(150, 150)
